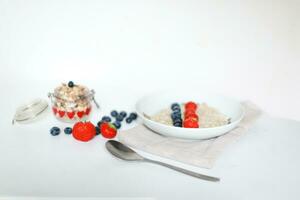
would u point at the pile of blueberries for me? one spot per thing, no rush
(176, 115)
(119, 117)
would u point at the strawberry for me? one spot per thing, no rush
(192, 115)
(71, 114)
(190, 123)
(80, 114)
(191, 106)
(88, 110)
(84, 131)
(61, 113)
(189, 112)
(54, 110)
(108, 130)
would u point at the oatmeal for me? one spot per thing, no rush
(205, 115)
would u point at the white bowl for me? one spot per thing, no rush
(151, 104)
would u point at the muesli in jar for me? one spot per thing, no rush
(72, 102)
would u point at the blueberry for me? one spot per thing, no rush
(177, 110)
(175, 115)
(97, 130)
(119, 118)
(175, 105)
(71, 84)
(68, 130)
(177, 124)
(117, 124)
(123, 114)
(133, 115)
(55, 131)
(114, 113)
(177, 120)
(106, 119)
(128, 120)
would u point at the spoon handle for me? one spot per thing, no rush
(194, 174)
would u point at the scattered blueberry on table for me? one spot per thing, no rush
(128, 120)
(114, 113)
(106, 119)
(119, 118)
(123, 114)
(55, 131)
(133, 115)
(68, 130)
(97, 130)
(117, 124)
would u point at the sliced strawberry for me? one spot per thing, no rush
(61, 113)
(80, 114)
(88, 110)
(71, 114)
(54, 110)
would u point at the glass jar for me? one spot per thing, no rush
(71, 104)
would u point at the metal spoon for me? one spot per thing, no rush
(125, 153)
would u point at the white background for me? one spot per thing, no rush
(125, 49)
(247, 49)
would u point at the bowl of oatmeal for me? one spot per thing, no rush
(188, 114)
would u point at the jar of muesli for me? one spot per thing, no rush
(72, 102)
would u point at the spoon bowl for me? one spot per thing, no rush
(121, 151)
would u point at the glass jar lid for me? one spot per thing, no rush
(30, 111)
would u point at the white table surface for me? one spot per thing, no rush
(264, 164)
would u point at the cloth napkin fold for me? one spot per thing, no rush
(199, 153)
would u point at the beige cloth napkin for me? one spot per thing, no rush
(200, 153)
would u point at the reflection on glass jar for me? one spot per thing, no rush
(72, 102)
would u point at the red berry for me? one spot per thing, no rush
(80, 114)
(84, 131)
(190, 123)
(192, 115)
(71, 114)
(88, 110)
(54, 110)
(61, 113)
(189, 112)
(108, 130)
(191, 106)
